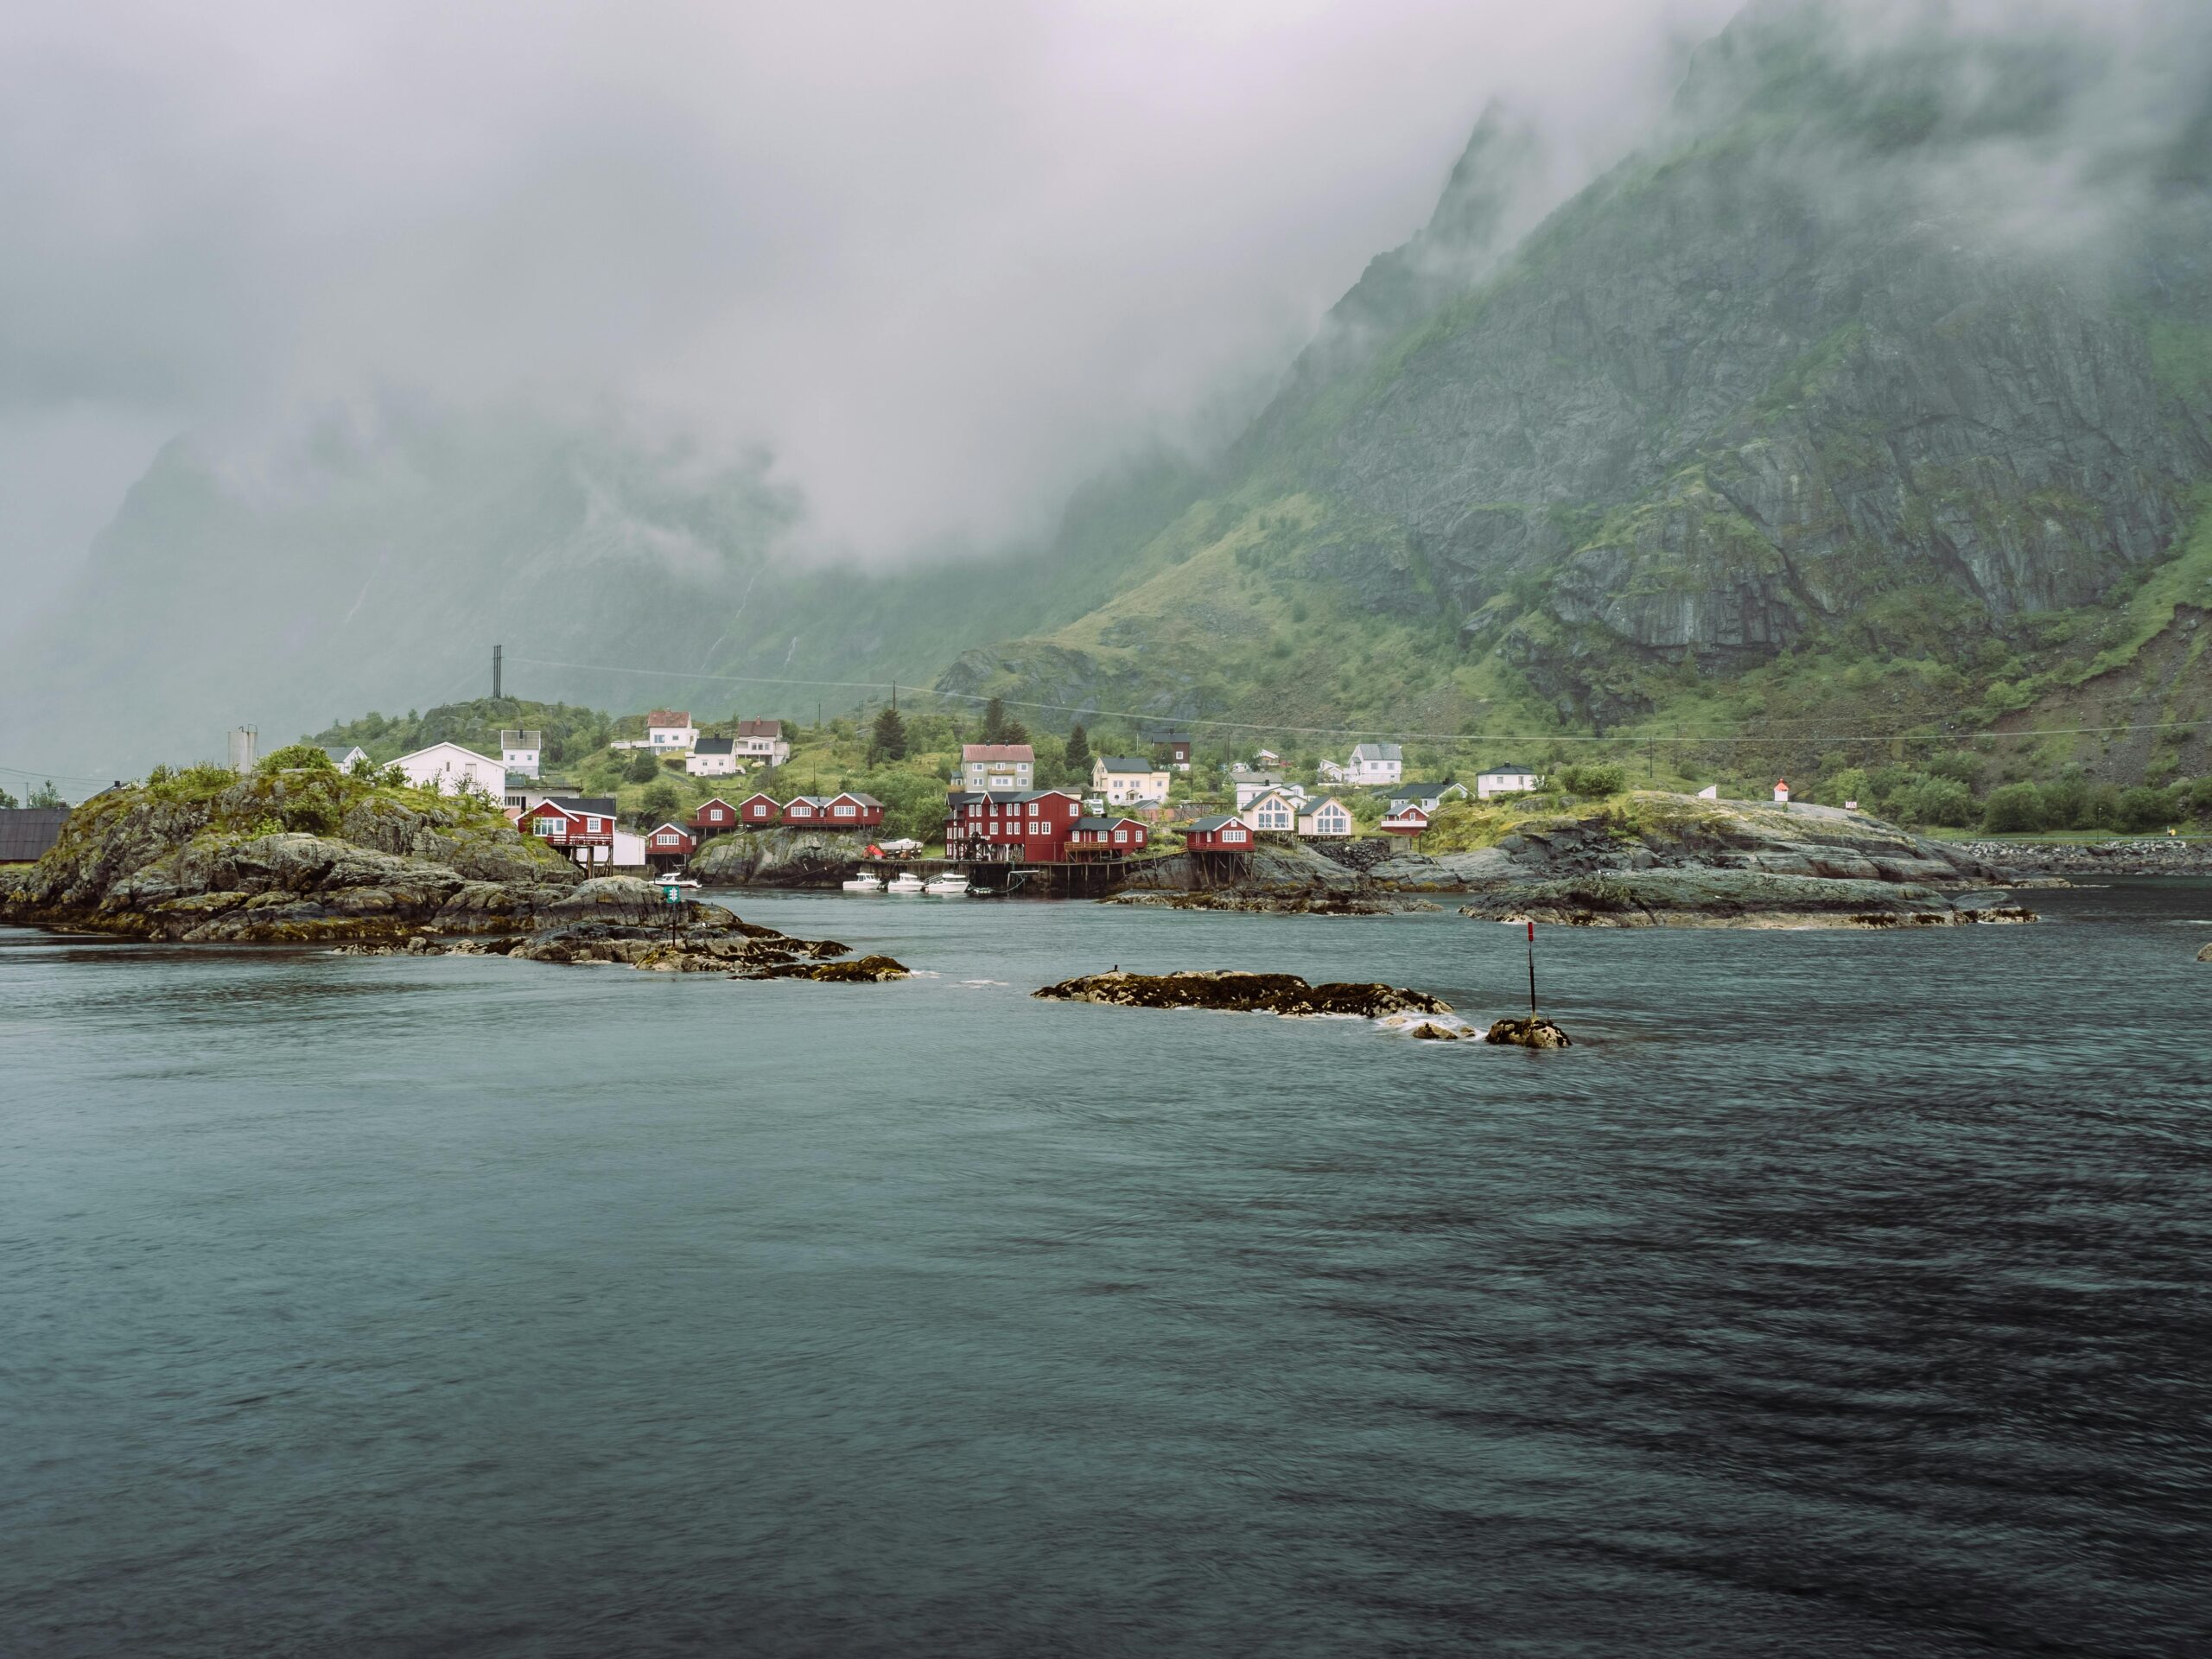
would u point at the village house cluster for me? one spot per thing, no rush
(993, 808)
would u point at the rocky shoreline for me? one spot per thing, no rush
(1668, 861)
(391, 876)
(2145, 855)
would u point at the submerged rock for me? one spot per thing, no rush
(1528, 1031)
(1271, 904)
(1232, 992)
(2205, 955)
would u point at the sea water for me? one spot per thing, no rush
(1839, 1293)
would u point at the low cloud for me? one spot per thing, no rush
(941, 261)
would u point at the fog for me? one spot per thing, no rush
(943, 261)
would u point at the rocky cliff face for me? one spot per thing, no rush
(1883, 345)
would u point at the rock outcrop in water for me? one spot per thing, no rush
(1528, 1031)
(1231, 992)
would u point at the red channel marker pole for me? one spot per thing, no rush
(1532, 967)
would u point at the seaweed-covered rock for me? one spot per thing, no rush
(1233, 992)
(861, 970)
(2205, 955)
(1530, 1031)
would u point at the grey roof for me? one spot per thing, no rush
(1126, 763)
(1493, 772)
(338, 751)
(1106, 824)
(1420, 791)
(599, 806)
(1208, 825)
(1378, 751)
(520, 738)
(27, 831)
(715, 745)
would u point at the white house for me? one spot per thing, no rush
(1254, 785)
(1504, 780)
(345, 755)
(1782, 791)
(1273, 810)
(521, 750)
(1326, 819)
(997, 765)
(1125, 780)
(628, 851)
(713, 757)
(1329, 772)
(1266, 759)
(452, 770)
(1710, 792)
(1376, 763)
(670, 729)
(762, 743)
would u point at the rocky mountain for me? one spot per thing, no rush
(1871, 395)
(1890, 349)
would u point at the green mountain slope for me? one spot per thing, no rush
(1874, 395)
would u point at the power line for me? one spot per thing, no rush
(1394, 733)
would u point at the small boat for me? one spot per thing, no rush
(906, 882)
(947, 886)
(865, 882)
(674, 881)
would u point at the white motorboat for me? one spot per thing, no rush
(865, 882)
(674, 881)
(951, 885)
(906, 882)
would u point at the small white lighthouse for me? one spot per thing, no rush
(1782, 791)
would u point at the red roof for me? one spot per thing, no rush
(998, 752)
(668, 717)
(759, 728)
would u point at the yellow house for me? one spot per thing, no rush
(1125, 781)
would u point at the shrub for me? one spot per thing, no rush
(2016, 807)
(1592, 778)
(295, 757)
(659, 801)
(643, 768)
(2143, 808)
(1959, 768)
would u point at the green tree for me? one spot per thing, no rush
(1077, 756)
(887, 737)
(993, 721)
(1937, 800)
(2143, 808)
(660, 802)
(2066, 802)
(46, 795)
(7, 801)
(643, 768)
(1848, 784)
(2014, 808)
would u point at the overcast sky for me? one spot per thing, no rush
(943, 258)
